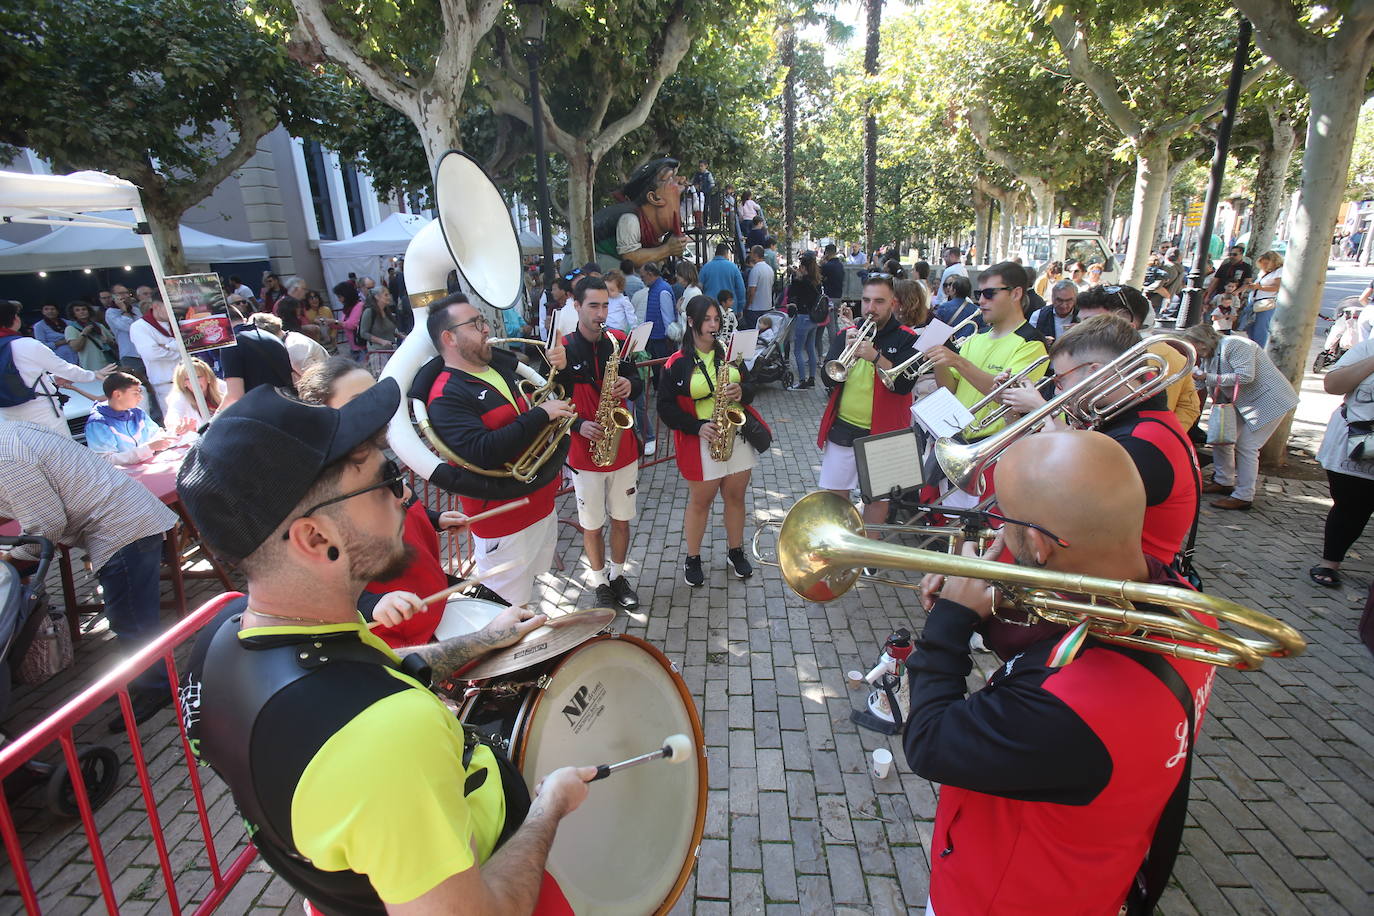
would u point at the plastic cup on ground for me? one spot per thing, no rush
(882, 762)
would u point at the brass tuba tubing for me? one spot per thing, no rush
(822, 547)
(528, 341)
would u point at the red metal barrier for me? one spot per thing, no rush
(58, 728)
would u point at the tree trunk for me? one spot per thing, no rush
(1005, 226)
(581, 175)
(1151, 183)
(1275, 155)
(1109, 204)
(1325, 164)
(788, 51)
(164, 219)
(873, 10)
(1164, 231)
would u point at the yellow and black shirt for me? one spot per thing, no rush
(357, 783)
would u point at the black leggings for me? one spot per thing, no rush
(1352, 502)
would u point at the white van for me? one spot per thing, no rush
(1040, 246)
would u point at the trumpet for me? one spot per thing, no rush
(920, 363)
(1015, 381)
(837, 370)
(822, 549)
(1088, 404)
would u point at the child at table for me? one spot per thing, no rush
(118, 430)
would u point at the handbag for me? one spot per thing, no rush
(49, 654)
(756, 432)
(1223, 421)
(820, 312)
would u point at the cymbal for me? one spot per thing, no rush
(552, 639)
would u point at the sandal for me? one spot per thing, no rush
(1325, 576)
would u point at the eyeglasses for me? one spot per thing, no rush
(990, 292)
(997, 516)
(1061, 377)
(477, 321)
(391, 478)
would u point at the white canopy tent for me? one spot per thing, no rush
(81, 200)
(368, 254)
(74, 247)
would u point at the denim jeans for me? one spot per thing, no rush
(641, 407)
(804, 346)
(132, 591)
(1259, 328)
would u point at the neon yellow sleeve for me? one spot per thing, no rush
(385, 798)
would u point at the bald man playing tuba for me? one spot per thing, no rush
(1065, 778)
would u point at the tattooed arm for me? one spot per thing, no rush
(447, 656)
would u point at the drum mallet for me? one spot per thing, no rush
(676, 749)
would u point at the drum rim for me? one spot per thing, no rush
(520, 734)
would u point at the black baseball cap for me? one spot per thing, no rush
(262, 454)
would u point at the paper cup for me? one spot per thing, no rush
(882, 762)
(855, 679)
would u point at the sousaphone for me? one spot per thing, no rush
(473, 235)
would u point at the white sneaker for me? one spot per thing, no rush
(976, 644)
(650, 447)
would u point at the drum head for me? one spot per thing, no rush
(629, 848)
(465, 615)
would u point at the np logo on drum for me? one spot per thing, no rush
(585, 707)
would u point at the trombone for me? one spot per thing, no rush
(1088, 404)
(822, 549)
(837, 370)
(920, 363)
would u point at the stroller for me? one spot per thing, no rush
(23, 608)
(772, 361)
(1342, 336)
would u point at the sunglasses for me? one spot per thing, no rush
(990, 292)
(392, 479)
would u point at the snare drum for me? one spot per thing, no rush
(464, 615)
(630, 847)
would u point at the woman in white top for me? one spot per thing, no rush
(182, 413)
(36, 365)
(1347, 454)
(1266, 295)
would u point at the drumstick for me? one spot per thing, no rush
(454, 589)
(506, 507)
(675, 749)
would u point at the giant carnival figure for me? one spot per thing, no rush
(646, 223)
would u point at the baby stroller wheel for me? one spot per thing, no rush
(99, 770)
(787, 377)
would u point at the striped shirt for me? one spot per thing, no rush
(1264, 394)
(61, 490)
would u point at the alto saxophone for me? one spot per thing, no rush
(727, 417)
(611, 414)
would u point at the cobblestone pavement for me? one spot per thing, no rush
(1283, 794)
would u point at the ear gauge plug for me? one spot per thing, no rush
(333, 554)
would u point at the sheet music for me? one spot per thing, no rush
(891, 462)
(941, 413)
(639, 337)
(742, 343)
(933, 335)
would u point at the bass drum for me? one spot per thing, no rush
(629, 849)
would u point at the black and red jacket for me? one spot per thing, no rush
(891, 409)
(1053, 778)
(582, 379)
(1157, 443)
(481, 426)
(678, 411)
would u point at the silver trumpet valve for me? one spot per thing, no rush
(837, 370)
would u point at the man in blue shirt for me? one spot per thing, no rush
(661, 309)
(721, 273)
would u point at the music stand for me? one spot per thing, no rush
(889, 464)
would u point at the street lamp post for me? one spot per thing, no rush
(1193, 309)
(532, 17)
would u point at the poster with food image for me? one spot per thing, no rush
(199, 304)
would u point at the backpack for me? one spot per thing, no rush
(13, 391)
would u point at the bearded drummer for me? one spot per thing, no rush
(478, 411)
(359, 786)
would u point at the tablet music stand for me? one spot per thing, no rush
(889, 464)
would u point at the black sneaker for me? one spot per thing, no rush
(145, 702)
(739, 563)
(624, 595)
(810, 382)
(605, 596)
(691, 572)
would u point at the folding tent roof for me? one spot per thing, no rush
(390, 236)
(76, 247)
